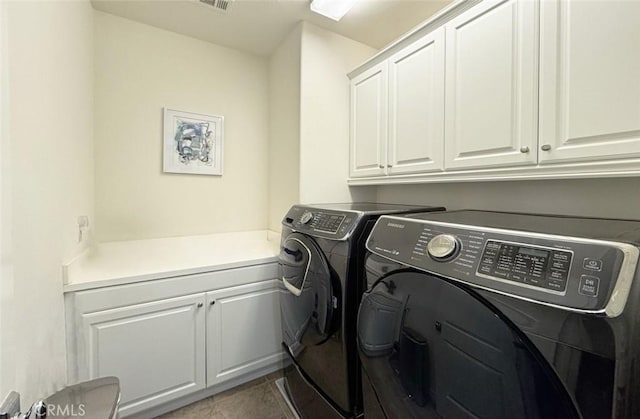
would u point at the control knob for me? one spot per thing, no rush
(306, 217)
(443, 247)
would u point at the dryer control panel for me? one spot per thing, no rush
(329, 224)
(571, 273)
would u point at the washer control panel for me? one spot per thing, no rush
(321, 222)
(543, 267)
(568, 272)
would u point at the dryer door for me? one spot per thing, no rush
(431, 348)
(308, 306)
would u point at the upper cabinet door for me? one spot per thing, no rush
(589, 80)
(416, 106)
(369, 122)
(491, 86)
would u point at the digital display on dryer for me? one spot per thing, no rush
(534, 252)
(534, 266)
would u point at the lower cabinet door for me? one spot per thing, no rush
(243, 330)
(156, 349)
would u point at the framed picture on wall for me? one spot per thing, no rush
(192, 143)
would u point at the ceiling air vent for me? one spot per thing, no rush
(219, 5)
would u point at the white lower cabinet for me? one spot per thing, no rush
(168, 339)
(241, 326)
(157, 349)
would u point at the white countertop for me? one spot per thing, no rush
(116, 263)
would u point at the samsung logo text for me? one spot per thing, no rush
(395, 225)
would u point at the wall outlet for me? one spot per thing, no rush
(83, 226)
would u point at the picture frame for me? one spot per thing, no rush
(192, 143)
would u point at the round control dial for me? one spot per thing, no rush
(306, 218)
(443, 246)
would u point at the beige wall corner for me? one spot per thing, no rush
(324, 116)
(284, 127)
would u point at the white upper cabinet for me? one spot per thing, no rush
(501, 90)
(589, 80)
(491, 86)
(416, 106)
(369, 122)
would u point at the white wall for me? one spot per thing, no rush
(608, 198)
(324, 116)
(47, 181)
(284, 127)
(7, 374)
(139, 70)
(309, 120)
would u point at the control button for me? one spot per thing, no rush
(555, 285)
(533, 281)
(306, 218)
(589, 285)
(557, 275)
(518, 278)
(592, 264)
(493, 245)
(560, 256)
(443, 246)
(560, 265)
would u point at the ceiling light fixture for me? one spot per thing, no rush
(333, 9)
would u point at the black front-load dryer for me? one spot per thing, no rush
(322, 266)
(472, 314)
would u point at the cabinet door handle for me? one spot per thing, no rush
(212, 302)
(200, 305)
(524, 149)
(381, 166)
(546, 147)
(389, 165)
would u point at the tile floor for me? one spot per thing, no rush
(259, 399)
